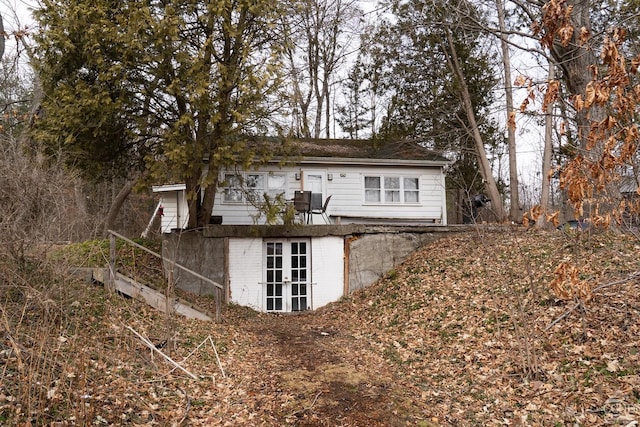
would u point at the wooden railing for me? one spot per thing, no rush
(219, 289)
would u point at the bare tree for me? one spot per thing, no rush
(548, 149)
(1, 37)
(474, 130)
(320, 35)
(514, 210)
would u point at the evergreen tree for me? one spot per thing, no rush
(158, 86)
(413, 56)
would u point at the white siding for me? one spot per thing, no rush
(347, 190)
(244, 213)
(327, 270)
(345, 184)
(175, 212)
(246, 265)
(245, 272)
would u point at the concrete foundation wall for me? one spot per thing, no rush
(205, 256)
(370, 252)
(373, 255)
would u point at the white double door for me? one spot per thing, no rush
(287, 275)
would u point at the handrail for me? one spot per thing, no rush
(181, 267)
(218, 292)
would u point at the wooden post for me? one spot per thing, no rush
(111, 283)
(227, 290)
(218, 296)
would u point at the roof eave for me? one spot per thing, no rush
(363, 161)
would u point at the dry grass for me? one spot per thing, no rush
(441, 341)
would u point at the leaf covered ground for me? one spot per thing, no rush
(465, 332)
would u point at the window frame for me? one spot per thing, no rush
(386, 191)
(240, 186)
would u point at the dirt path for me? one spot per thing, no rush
(320, 374)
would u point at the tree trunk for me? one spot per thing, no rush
(514, 210)
(474, 131)
(546, 158)
(117, 204)
(1, 37)
(193, 201)
(577, 59)
(208, 197)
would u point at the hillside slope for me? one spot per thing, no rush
(462, 333)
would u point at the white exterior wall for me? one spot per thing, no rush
(175, 211)
(327, 270)
(347, 190)
(345, 183)
(243, 213)
(246, 266)
(245, 272)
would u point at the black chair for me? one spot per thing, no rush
(322, 210)
(302, 204)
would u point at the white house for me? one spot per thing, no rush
(370, 183)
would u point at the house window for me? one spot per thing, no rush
(372, 189)
(276, 184)
(233, 190)
(391, 189)
(251, 186)
(255, 186)
(410, 190)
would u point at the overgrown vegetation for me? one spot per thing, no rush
(466, 331)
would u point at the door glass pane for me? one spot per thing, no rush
(299, 276)
(273, 276)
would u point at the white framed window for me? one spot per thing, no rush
(372, 189)
(233, 188)
(276, 184)
(250, 186)
(391, 189)
(255, 186)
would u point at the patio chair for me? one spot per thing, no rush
(322, 210)
(302, 204)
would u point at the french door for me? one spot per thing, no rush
(286, 281)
